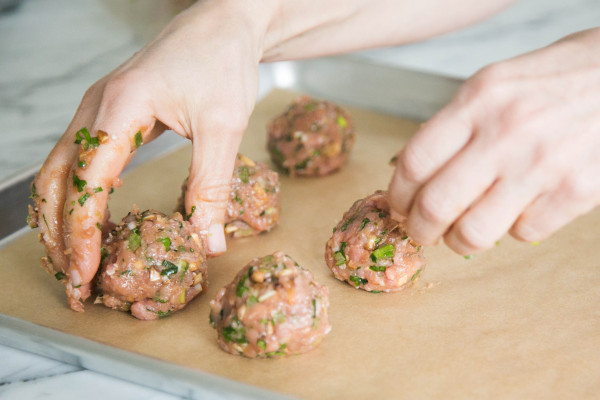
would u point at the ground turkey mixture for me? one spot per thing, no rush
(272, 308)
(372, 251)
(312, 138)
(254, 203)
(152, 265)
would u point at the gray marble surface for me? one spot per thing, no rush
(52, 50)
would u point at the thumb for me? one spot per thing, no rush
(208, 191)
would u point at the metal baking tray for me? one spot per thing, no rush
(347, 79)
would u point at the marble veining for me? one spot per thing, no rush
(51, 51)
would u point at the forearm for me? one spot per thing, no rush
(298, 30)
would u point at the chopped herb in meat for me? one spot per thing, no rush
(348, 222)
(364, 223)
(382, 253)
(261, 344)
(244, 173)
(98, 189)
(238, 200)
(59, 276)
(165, 241)
(377, 268)
(341, 121)
(169, 269)
(339, 256)
(235, 332)
(357, 280)
(163, 314)
(279, 318)
(134, 241)
(241, 287)
(302, 164)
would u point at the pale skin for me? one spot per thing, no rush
(513, 151)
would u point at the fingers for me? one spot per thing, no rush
(428, 150)
(119, 132)
(215, 147)
(48, 192)
(51, 183)
(576, 195)
(447, 195)
(491, 216)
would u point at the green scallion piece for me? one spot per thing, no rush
(364, 223)
(416, 274)
(382, 253)
(241, 288)
(244, 173)
(261, 344)
(357, 280)
(79, 183)
(377, 268)
(83, 198)
(165, 241)
(169, 269)
(134, 241)
(59, 276)
(138, 139)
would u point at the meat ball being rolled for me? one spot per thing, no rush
(311, 138)
(372, 251)
(152, 265)
(254, 202)
(272, 308)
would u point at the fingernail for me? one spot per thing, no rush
(396, 216)
(75, 277)
(216, 239)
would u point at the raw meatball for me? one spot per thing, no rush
(151, 265)
(254, 203)
(272, 308)
(372, 251)
(312, 138)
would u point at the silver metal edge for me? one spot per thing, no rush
(143, 370)
(395, 91)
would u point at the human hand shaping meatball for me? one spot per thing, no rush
(516, 150)
(517, 142)
(199, 78)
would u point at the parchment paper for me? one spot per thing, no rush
(519, 321)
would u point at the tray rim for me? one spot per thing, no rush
(304, 76)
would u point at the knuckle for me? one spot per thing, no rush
(578, 187)
(488, 84)
(431, 207)
(525, 231)
(227, 122)
(125, 84)
(412, 161)
(473, 237)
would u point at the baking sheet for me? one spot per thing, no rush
(518, 321)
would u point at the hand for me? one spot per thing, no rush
(516, 150)
(199, 78)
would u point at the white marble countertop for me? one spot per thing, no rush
(52, 50)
